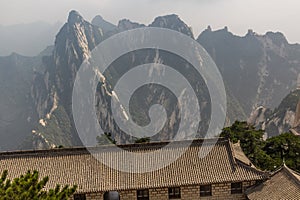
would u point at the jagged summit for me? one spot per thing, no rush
(172, 22)
(97, 17)
(126, 24)
(167, 17)
(74, 17)
(277, 38)
(222, 31)
(103, 24)
(209, 28)
(250, 33)
(80, 38)
(256, 69)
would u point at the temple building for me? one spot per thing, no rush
(282, 184)
(225, 173)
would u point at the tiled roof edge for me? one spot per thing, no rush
(241, 162)
(249, 190)
(236, 157)
(231, 154)
(83, 150)
(282, 167)
(291, 174)
(59, 151)
(265, 173)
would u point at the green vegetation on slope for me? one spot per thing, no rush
(269, 154)
(105, 139)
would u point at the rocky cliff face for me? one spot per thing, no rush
(73, 44)
(295, 128)
(52, 89)
(280, 120)
(259, 70)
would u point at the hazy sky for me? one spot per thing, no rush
(238, 15)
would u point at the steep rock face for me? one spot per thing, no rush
(295, 129)
(73, 44)
(281, 119)
(258, 69)
(243, 61)
(149, 95)
(52, 90)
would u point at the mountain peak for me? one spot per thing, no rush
(97, 18)
(168, 17)
(126, 24)
(103, 24)
(77, 35)
(74, 17)
(277, 37)
(173, 22)
(250, 33)
(209, 29)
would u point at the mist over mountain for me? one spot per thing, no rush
(17, 112)
(27, 39)
(258, 70)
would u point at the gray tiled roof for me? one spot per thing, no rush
(240, 155)
(283, 184)
(77, 166)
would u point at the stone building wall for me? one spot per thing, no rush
(158, 194)
(93, 196)
(128, 195)
(220, 191)
(190, 192)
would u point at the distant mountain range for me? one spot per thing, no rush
(258, 70)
